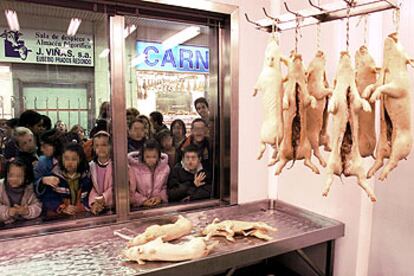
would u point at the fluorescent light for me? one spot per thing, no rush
(104, 53)
(12, 20)
(129, 30)
(181, 37)
(4, 69)
(137, 60)
(73, 26)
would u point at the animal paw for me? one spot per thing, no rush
(366, 106)
(332, 105)
(375, 96)
(285, 103)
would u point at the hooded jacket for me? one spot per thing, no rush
(56, 199)
(107, 185)
(29, 198)
(144, 184)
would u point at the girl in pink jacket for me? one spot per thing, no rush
(100, 197)
(148, 175)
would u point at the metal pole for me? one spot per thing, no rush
(118, 118)
(79, 121)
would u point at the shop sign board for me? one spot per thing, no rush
(178, 59)
(46, 47)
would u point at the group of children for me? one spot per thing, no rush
(164, 165)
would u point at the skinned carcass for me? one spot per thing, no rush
(393, 89)
(167, 232)
(230, 228)
(295, 144)
(344, 105)
(317, 117)
(270, 83)
(159, 250)
(366, 74)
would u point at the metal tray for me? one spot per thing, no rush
(96, 251)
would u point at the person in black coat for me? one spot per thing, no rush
(188, 180)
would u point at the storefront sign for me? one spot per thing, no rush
(177, 59)
(46, 47)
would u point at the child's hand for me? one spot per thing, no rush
(147, 203)
(21, 210)
(199, 179)
(156, 201)
(70, 210)
(13, 211)
(51, 181)
(96, 208)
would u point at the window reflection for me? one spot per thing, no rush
(170, 155)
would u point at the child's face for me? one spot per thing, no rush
(26, 143)
(70, 161)
(137, 131)
(202, 110)
(61, 126)
(15, 176)
(47, 149)
(191, 160)
(199, 132)
(102, 147)
(151, 157)
(177, 130)
(167, 142)
(81, 133)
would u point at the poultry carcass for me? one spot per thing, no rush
(345, 105)
(159, 250)
(167, 232)
(230, 228)
(316, 117)
(366, 74)
(393, 89)
(295, 144)
(270, 83)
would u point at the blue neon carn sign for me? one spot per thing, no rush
(178, 59)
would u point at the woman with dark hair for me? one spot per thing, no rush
(61, 126)
(17, 198)
(47, 123)
(178, 131)
(149, 129)
(67, 191)
(32, 120)
(148, 175)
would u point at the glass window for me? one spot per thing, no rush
(54, 114)
(171, 98)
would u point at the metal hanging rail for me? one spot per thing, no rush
(320, 14)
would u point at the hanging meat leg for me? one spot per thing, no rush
(344, 105)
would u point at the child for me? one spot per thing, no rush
(167, 146)
(188, 180)
(199, 139)
(51, 151)
(101, 173)
(178, 131)
(136, 135)
(17, 198)
(148, 175)
(67, 191)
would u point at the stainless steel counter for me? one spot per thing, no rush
(96, 251)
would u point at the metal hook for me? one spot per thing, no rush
(290, 11)
(270, 17)
(252, 22)
(350, 3)
(315, 6)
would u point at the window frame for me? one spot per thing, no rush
(227, 105)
